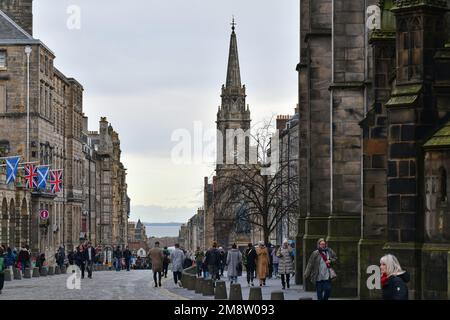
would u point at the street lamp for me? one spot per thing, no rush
(28, 51)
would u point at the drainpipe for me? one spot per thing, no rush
(331, 107)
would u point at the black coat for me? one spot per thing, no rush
(80, 258)
(127, 254)
(251, 256)
(212, 257)
(86, 255)
(395, 288)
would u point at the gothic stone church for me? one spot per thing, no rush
(225, 218)
(375, 141)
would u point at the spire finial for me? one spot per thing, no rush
(233, 24)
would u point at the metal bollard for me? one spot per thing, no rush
(255, 293)
(235, 292)
(221, 291)
(277, 295)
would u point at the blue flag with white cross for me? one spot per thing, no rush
(11, 169)
(42, 177)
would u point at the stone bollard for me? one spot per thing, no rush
(208, 287)
(191, 282)
(9, 274)
(57, 270)
(28, 273)
(235, 292)
(221, 291)
(198, 285)
(44, 272)
(277, 295)
(36, 273)
(63, 270)
(51, 271)
(255, 293)
(17, 274)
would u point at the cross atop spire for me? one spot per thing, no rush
(233, 72)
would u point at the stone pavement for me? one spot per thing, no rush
(294, 293)
(123, 285)
(105, 285)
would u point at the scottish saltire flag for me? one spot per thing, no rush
(11, 169)
(56, 180)
(30, 176)
(42, 177)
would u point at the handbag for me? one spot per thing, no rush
(239, 267)
(333, 274)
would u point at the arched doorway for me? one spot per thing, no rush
(24, 224)
(4, 224)
(12, 224)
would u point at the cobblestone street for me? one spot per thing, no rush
(133, 285)
(105, 285)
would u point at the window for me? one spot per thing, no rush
(2, 59)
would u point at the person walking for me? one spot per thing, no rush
(127, 256)
(10, 258)
(250, 263)
(222, 262)
(23, 258)
(157, 258)
(275, 261)
(2, 268)
(199, 256)
(40, 260)
(118, 258)
(80, 259)
(212, 261)
(319, 269)
(89, 257)
(166, 261)
(270, 250)
(286, 263)
(234, 263)
(262, 263)
(71, 257)
(393, 279)
(60, 257)
(177, 258)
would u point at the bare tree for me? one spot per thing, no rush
(261, 194)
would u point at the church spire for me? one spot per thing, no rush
(233, 73)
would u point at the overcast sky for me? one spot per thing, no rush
(155, 66)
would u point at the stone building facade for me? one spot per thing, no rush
(287, 127)
(372, 140)
(137, 236)
(57, 137)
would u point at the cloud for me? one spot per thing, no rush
(158, 214)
